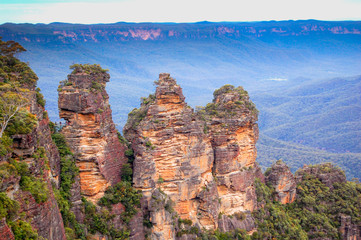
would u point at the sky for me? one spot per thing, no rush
(110, 11)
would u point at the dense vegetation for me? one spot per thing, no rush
(311, 122)
(17, 82)
(316, 212)
(69, 171)
(296, 155)
(16, 79)
(9, 208)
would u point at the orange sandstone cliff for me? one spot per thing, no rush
(90, 131)
(281, 178)
(204, 162)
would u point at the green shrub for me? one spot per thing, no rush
(149, 99)
(100, 222)
(45, 115)
(40, 98)
(148, 144)
(160, 180)
(8, 207)
(22, 168)
(5, 145)
(146, 221)
(68, 173)
(23, 230)
(185, 222)
(136, 116)
(240, 216)
(124, 193)
(127, 173)
(37, 187)
(122, 139)
(22, 123)
(97, 87)
(13, 70)
(129, 152)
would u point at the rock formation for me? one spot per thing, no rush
(282, 179)
(205, 161)
(90, 131)
(5, 231)
(40, 154)
(171, 151)
(231, 122)
(349, 230)
(326, 173)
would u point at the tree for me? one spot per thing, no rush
(10, 48)
(10, 104)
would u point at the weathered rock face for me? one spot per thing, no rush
(231, 122)
(26, 144)
(5, 231)
(348, 230)
(240, 221)
(44, 217)
(282, 179)
(171, 151)
(204, 162)
(90, 131)
(38, 151)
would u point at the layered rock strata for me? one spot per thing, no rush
(171, 151)
(231, 122)
(38, 151)
(205, 161)
(90, 131)
(282, 179)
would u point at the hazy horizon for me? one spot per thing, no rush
(175, 11)
(100, 23)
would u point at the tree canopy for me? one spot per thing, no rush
(9, 48)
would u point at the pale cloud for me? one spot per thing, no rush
(179, 11)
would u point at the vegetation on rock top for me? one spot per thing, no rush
(87, 68)
(229, 108)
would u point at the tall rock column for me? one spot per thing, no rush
(89, 130)
(231, 122)
(172, 153)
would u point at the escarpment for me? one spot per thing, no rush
(30, 166)
(204, 161)
(89, 129)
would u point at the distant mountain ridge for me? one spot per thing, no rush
(67, 33)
